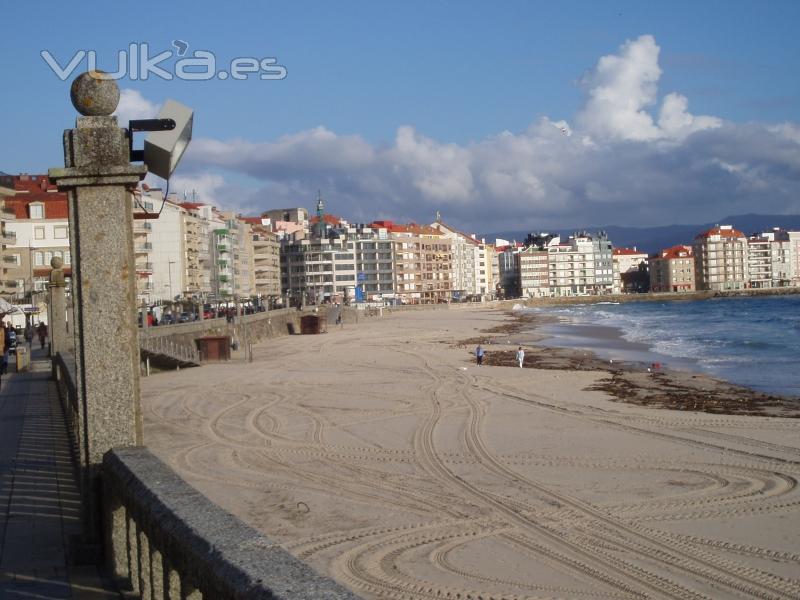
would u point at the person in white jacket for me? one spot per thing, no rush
(520, 356)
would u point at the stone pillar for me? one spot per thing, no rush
(99, 179)
(57, 308)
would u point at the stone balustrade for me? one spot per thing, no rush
(166, 541)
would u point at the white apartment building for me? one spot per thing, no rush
(472, 265)
(166, 251)
(769, 259)
(721, 259)
(35, 230)
(581, 265)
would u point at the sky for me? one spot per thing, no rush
(501, 116)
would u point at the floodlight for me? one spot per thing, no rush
(164, 145)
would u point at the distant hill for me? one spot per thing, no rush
(653, 239)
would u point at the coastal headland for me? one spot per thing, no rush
(381, 454)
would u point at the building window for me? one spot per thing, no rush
(37, 211)
(38, 233)
(38, 259)
(60, 232)
(15, 259)
(67, 257)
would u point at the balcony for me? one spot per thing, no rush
(144, 267)
(8, 237)
(143, 248)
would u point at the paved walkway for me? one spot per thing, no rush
(39, 499)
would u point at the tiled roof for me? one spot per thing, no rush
(626, 251)
(191, 205)
(676, 252)
(55, 204)
(329, 219)
(722, 231)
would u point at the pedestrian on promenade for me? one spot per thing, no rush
(520, 356)
(479, 355)
(42, 330)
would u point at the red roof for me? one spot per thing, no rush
(722, 231)
(55, 204)
(409, 228)
(626, 251)
(676, 252)
(329, 219)
(251, 220)
(190, 205)
(28, 183)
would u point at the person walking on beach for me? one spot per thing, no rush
(520, 356)
(479, 355)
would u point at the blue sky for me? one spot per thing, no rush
(458, 75)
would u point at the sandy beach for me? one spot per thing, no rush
(383, 456)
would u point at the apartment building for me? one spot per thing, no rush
(143, 213)
(423, 263)
(318, 269)
(166, 251)
(375, 265)
(581, 265)
(769, 259)
(7, 214)
(794, 256)
(629, 270)
(472, 265)
(266, 259)
(239, 238)
(721, 259)
(508, 270)
(672, 270)
(35, 230)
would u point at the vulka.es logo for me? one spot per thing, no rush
(136, 64)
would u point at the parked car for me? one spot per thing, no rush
(185, 317)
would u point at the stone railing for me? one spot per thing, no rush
(63, 365)
(164, 540)
(169, 347)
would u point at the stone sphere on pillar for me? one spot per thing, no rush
(94, 94)
(56, 262)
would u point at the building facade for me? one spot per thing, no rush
(581, 265)
(35, 230)
(769, 259)
(472, 265)
(630, 271)
(721, 259)
(672, 270)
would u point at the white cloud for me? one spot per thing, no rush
(623, 86)
(132, 105)
(676, 122)
(620, 88)
(613, 163)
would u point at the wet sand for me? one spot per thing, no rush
(383, 456)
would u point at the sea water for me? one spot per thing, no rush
(751, 341)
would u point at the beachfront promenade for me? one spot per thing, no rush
(39, 495)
